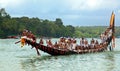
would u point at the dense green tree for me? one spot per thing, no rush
(45, 28)
(59, 22)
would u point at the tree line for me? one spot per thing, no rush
(42, 28)
(12, 26)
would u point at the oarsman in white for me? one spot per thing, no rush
(82, 42)
(86, 43)
(92, 43)
(74, 44)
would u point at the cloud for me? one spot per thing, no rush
(71, 16)
(92, 4)
(58, 6)
(118, 11)
(70, 11)
(10, 3)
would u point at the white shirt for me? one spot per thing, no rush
(74, 46)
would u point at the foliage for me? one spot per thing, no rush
(41, 28)
(45, 28)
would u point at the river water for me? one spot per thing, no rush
(15, 58)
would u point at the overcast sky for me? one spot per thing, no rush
(72, 12)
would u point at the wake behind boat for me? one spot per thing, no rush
(66, 46)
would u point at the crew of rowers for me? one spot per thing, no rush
(28, 35)
(106, 35)
(70, 43)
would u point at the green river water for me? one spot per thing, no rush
(15, 58)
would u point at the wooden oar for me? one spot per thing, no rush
(17, 42)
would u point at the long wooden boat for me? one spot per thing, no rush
(79, 50)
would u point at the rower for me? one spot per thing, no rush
(34, 38)
(23, 38)
(24, 33)
(96, 44)
(41, 42)
(82, 42)
(86, 43)
(69, 44)
(92, 43)
(74, 45)
(101, 36)
(56, 45)
(106, 36)
(49, 43)
(60, 42)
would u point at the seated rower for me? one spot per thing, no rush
(86, 43)
(56, 45)
(69, 44)
(49, 43)
(74, 45)
(31, 37)
(34, 38)
(24, 33)
(96, 44)
(82, 42)
(106, 36)
(41, 42)
(92, 43)
(101, 36)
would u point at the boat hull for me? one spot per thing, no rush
(56, 51)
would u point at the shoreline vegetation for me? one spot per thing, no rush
(13, 26)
